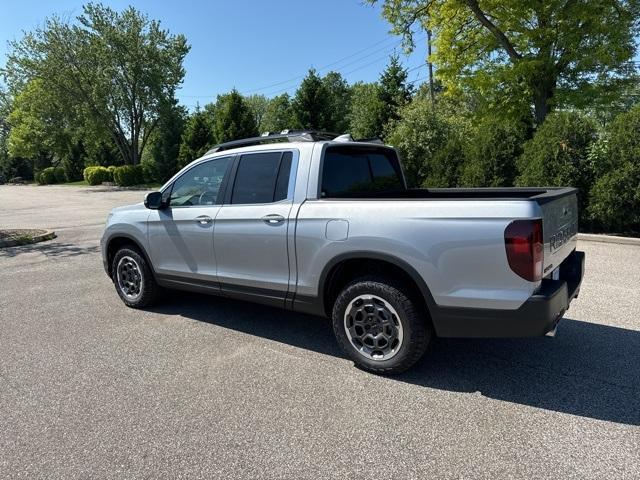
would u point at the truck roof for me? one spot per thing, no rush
(289, 136)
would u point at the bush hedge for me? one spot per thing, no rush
(615, 197)
(95, 175)
(128, 175)
(51, 175)
(46, 176)
(558, 156)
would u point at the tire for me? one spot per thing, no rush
(380, 325)
(128, 268)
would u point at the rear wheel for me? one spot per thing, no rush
(380, 325)
(133, 278)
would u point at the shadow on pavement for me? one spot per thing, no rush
(55, 249)
(589, 370)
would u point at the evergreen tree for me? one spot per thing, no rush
(165, 144)
(394, 91)
(196, 139)
(311, 103)
(233, 118)
(338, 99)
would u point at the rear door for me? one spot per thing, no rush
(181, 235)
(251, 228)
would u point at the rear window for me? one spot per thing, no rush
(262, 178)
(351, 172)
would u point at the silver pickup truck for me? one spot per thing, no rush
(327, 226)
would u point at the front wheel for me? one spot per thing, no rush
(133, 278)
(380, 325)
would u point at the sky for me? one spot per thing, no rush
(263, 47)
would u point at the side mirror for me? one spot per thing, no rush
(153, 201)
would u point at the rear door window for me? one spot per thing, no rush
(262, 178)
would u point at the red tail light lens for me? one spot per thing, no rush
(525, 248)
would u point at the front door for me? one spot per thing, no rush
(251, 228)
(181, 235)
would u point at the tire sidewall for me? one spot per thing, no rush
(147, 294)
(399, 301)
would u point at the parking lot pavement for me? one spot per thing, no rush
(202, 387)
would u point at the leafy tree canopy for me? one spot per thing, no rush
(116, 69)
(535, 53)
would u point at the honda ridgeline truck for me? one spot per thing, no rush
(322, 225)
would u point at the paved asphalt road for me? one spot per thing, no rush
(201, 387)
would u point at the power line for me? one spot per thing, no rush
(393, 45)
(289, 81)
(297, 77)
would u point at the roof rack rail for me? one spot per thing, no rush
(291, 135)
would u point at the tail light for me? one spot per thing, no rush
(524, 244)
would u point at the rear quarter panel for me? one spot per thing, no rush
(457, 246)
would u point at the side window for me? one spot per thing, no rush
(199, 185)
(262, 178)
(352, 171)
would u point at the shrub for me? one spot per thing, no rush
(491, 151)
(557, 155)
(615, 197)
(128, 175)
(429, 139)
(59, 174)
(46, 176)
(96, 175)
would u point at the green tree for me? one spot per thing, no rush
(258, 105)
(557, 155)
(338, 100)
(118, 68)
(394, 91)
(490, 152)
(37, 125)
(540, 54)
(430, 140)
(233, 118)
(196, 139)
(614, 203)
(278, 115)
(367, 111)
(165, 142)
(311, 103)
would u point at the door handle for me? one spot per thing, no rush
(204, 219)
(273, 219)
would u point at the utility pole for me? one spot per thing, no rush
(431, 93)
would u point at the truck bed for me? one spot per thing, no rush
(541, 195)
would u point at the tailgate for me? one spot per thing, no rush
(559, 225)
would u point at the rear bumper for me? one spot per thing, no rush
(537, 316)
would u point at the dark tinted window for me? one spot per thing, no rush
(262, 178)
(282, 184)
(199, 185)
(349, 171)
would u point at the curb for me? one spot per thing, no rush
(49, 235)
(591, 237)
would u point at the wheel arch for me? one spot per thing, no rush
(333, 277)
(118, 241)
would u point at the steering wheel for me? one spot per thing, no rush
(203, 200)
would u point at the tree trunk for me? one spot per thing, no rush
(543, 90)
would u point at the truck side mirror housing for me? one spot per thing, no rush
(153, 201)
